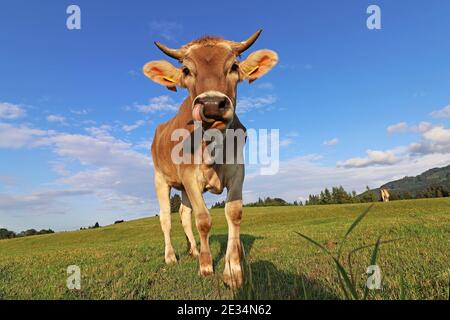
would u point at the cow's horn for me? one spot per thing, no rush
(244, 45)
(174, 53)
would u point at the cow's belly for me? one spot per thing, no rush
(209, 178)
(213, 179)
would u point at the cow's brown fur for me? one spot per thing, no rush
(205, 41)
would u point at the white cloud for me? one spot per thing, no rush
(134, 73)
(111, 169)
(443, 113)
(422, 127)
(11, 111)
(374, 157)
(438, 134)
(398, 127)
(81, 112)
(42, 202)
(16, 137)
(266, 86)
(158, 104)
(131, 127)
(248, 104)
(54, 118)
(286, 142)
(331, 142)
(168, 30)
(435, 139)
(7, 181)
(292, 134)
(403, 127)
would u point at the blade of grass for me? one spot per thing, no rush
(353, 225)
(327, 252)
(346, 279)
(314, 242)
(402, 288)
(305, 294)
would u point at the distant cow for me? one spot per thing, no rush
(384, 195)
(210, 70)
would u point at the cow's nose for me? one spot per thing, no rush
(218, 103)
(214, 107)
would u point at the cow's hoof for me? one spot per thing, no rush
(193, 252)
(170, 257)
(206, 271)
(233, 276)
(206, 267)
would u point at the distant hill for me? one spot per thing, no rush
(432, 183)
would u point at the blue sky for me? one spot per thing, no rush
(354, 106)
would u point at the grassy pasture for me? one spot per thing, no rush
(126, 261)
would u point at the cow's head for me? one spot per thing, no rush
(211, 71)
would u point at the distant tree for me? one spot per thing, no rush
(96, 225)
(46, 231)
(7, 234)
(269, 202)
(219, 204)
(328, 199)
(175, 203)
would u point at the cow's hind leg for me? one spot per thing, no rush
(163, 194)
(186, 222)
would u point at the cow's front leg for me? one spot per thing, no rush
(186, 222)
(203, 223)
(163, 194)
(233, 274)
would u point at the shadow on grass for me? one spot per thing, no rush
(246, 239)
(263, 280)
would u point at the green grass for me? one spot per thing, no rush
(126, 261)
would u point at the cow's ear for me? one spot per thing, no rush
(164, 73)
(258, 64)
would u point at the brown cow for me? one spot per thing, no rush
(210, 71)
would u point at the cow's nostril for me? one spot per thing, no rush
(222, 104)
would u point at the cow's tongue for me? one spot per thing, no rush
(196, 112)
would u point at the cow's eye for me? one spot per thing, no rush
(234, 67)
(186, 71)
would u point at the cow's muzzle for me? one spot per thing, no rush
(214, 109)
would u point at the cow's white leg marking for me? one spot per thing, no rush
(163, 194)
(233, 275)
(203, 223)
(186, 222)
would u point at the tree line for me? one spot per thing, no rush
(438, 191)
(7, 234)
(338, 195)
(263, 202)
